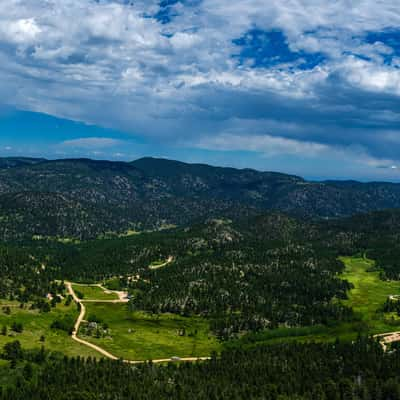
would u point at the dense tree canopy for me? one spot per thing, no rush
(337, 371)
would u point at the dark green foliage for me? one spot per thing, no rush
(17, 327)
(94, 318)
(85, 198)
(12, 351)
(79, 294)
(339, 371)
(66, 324)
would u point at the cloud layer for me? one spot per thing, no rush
(300, 76)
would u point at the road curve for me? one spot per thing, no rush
(99, 349)
(78, 324)
(169, 261)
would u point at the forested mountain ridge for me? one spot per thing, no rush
(11, 162)
(85, 198)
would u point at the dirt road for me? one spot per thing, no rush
(169, 261)
(387, 338)
(78, 324)
(99, 349)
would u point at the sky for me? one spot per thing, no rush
(307, 87)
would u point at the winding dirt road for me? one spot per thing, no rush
(78, 324)
(122, 299)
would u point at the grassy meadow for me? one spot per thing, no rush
(91, 292)
(369, 294)
(140, 336)
(37, 324)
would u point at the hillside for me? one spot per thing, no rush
(85, 198)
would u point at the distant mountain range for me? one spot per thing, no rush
(85, 198)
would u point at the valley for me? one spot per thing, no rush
(117, 332)
(199, 200)
(204, 294)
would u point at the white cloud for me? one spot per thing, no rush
(371, 77)
(266, 144)
(183, 40)
(270, 146)
(21, 31)
(109, 63)
(92, 142)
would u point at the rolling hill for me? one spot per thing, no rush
(84, 198)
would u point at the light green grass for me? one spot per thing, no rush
(94, 292)
(140, 336)
(37, 324)
(369, 293)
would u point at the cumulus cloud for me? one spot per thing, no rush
(180, 72)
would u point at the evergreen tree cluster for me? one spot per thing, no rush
(336, 371)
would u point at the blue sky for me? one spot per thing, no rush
(303, 86)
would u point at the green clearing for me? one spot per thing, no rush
(36, 324)
(366, 298)
(369, 294)
(91, 292)
(140, 336)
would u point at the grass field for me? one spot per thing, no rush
(94, 292)
(139, 336)
(37, 324)
(369, 293)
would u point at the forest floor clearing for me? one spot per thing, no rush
(97, 292)
(141, 337)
